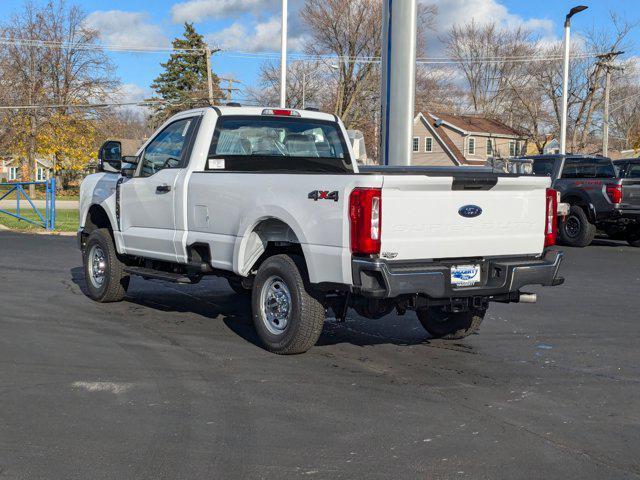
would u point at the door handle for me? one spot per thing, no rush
(163, 188)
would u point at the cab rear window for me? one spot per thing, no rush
(261, 143)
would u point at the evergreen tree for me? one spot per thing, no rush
(183, 83)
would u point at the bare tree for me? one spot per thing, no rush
(49, 63)
(625, 108)
(490, 58)
(585, 81)
(306, 80)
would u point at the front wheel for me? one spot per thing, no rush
(287, 318)
(450, 325)
(104, 272)
(576, 230)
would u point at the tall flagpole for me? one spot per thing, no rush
(283, 58)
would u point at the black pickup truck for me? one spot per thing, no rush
(629, 173)
(590, 185)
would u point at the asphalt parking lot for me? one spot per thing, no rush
(170, 384)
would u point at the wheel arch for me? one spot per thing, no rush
(267, 236)
(582, 200)
(96, 217)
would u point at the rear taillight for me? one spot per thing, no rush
(365, 213)
(614, 192)
(551, 218)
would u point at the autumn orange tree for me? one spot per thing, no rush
(69, 141)
(35, 78)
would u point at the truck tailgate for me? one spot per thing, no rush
(423, 216)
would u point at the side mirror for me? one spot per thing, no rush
(109, 159)
(129, 165)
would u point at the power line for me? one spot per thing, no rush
(85, 105)
(123, 48)
(27, 42)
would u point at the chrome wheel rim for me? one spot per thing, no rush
(275, 301)
(572, 227)
(97, 263)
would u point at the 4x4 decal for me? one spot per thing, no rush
(324, 195)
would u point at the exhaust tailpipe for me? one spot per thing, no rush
(528, 298)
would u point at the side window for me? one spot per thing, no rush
(604, 169)
(416, 144)
(578, 168)
(166, 149)
(472, 146)
(428, 144)
(633, 170)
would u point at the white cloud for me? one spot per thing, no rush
(260, 37)
(131, 29)
(131, 93)
(455, 12)
(199, 10)
(459, 12)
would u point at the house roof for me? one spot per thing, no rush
(443, 139)
(45, 162)
(476, 124)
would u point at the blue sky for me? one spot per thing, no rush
(252, 26)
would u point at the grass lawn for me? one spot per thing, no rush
(66, 220)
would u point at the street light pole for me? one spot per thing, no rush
(565, 77)
(283, 57)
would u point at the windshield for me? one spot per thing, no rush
(267, 143)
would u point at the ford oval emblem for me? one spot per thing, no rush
(470, 211)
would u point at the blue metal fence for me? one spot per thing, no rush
(48, 220)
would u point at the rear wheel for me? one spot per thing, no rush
(576, 230)
(287, 318)
(104, 272)
(449, 325)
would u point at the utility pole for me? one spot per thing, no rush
(605, 62)
(207, 53)
(230, 89)
(399, 27)
(565, 77)
(283, 57)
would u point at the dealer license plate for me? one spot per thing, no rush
(465, 275)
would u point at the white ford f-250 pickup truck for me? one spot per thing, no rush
(272, 200)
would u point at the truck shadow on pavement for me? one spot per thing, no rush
(213, 300)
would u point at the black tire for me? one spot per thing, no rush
(576, 230)
(109, 283)
(633, 236)
(280, 284)
(236, 286)
(448, 325)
